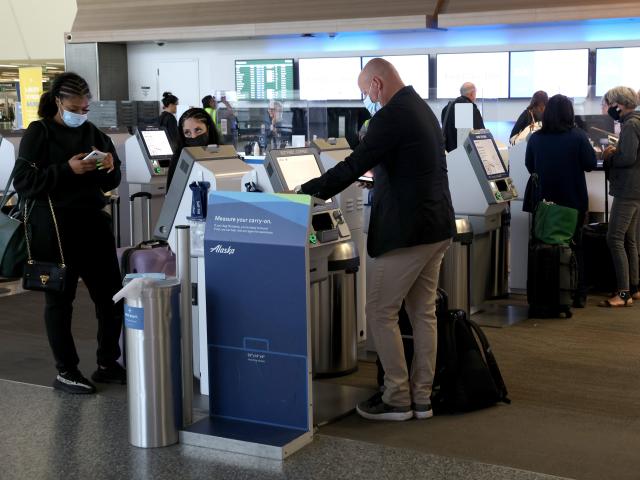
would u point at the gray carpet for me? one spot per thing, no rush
(574, 385)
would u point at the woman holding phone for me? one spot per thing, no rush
(56, 162)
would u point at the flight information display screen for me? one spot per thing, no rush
(554, 71)
(329, 78)
(489, 72)
(298, 169)
(264, 79)
(157, 143)
(617, 66)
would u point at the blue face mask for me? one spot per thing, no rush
(71, 119)
(372, 107)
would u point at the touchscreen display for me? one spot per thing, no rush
(489, 156)
(298, 169)
(157, 143)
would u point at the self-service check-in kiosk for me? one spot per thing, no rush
(148, 155)
(480, 190)
(224, 171)
(351, 202)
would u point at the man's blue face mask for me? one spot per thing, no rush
(372, 107)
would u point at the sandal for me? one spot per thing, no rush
(623, 295)
(636, 296)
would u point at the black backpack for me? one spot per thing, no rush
(467, 375)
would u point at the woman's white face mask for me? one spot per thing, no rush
(71, 119)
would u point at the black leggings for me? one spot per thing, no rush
(90, 254)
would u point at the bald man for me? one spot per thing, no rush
(410, 229)
(448, 116)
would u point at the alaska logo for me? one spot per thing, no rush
(220, 249)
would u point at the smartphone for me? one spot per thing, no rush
(96, 155)
(366, 179)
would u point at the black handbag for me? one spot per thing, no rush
(13, 249)
(44, 276)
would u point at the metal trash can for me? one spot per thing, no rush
(335, 336)
(154, 385)
(455, 276)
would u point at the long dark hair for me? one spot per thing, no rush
(538, 98)
(206, 100)
(200, 115)
(168, 98)
(65, 85)
(558, 116)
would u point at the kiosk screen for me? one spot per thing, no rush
(298, 169)
(489, 156)
(157, 145)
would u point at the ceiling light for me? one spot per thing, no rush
(9, 66)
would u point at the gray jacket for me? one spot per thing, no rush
(624, 171)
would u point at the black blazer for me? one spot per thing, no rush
(449, 127)
(411, 200)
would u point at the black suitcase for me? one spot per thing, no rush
(551, 280)
(599, 272)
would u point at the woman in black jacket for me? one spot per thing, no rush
(50, 168)
(195, 129)
(559, 154)
(532, 114)
(167, 118)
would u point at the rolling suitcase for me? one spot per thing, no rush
(149, 256)
(551, 280)
(599, 271)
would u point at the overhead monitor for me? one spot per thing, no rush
(413, 69)
(483, 146)
(264, 79)
(156, 144)
(617, 66)
(488, 71)
(554, 71)
(329, 78)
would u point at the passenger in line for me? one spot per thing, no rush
(195, 129)
(274, 130)
(467, 95)
(559, 154)
(532, 114)
(623, 163)
(168, 117)
(411, 227)
(51, 166)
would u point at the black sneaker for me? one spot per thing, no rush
(422, 411)
(73, 382)
(111, 374)
(376, 409)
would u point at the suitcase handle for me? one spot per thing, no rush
(146, 195)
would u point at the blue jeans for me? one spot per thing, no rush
(621, 238)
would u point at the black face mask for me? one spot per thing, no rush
(614, 112)
(199, 141)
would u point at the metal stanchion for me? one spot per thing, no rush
(183, 264)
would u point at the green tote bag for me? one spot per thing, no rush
(554, 224)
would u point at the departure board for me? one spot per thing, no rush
(264, 79)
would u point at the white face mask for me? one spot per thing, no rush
(73, 120)
(372, 107)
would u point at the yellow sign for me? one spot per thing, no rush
(30, 93)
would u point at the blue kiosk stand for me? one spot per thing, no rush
(258, 329)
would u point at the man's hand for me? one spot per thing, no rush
(608, 153)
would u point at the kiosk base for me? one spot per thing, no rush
(331, 401)
(248, 438)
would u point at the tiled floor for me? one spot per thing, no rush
(45, 434)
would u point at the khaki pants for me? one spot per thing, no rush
(409, 274)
